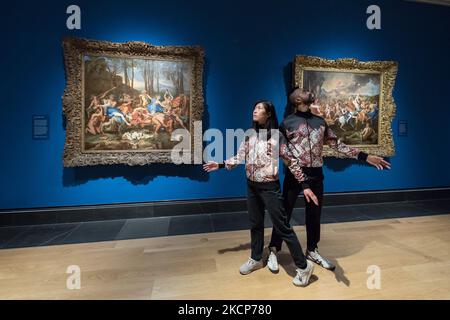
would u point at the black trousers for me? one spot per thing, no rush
(291, 190)
(267, 195)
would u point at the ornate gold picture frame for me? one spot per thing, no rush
(123, 101)
(355, 99)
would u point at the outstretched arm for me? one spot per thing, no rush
(332, 140)
(230, 163)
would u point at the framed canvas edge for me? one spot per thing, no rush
(72, 106)
(388, 72)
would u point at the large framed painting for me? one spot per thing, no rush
(123, 101)
(355, 99)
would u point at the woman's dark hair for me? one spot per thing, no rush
(272, 120)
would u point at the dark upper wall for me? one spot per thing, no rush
(249, 46)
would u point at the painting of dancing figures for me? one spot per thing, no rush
(134, 103)
(348, 101)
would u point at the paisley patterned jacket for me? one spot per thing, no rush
(261, 158)
(302, 137)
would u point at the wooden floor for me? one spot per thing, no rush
(413, 255)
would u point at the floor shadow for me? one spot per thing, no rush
(285, 260)
(339, 273)
(245, 246)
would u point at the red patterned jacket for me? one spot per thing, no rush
(302, 136)
(261, 157)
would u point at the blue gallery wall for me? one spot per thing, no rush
(249, 46)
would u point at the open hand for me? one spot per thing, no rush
(211, 166)
(310, 196)
(378, 162)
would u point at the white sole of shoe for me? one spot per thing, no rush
(319, 264)
(244, 274)
(274, 270)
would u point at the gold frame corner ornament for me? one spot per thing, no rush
(387, 109)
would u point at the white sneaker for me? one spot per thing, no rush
(272, 262)
(315, 256)
(250, 266)
(303, 275)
